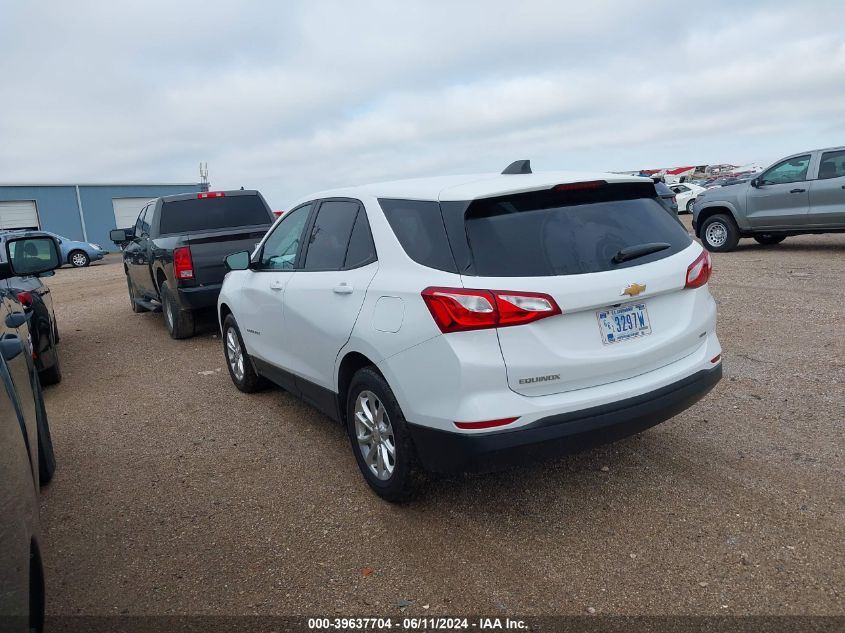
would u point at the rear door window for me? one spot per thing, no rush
(361, 250)
(209, 214)
(329, 236)
(568, 232)
(832, 165)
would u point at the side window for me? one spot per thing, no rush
(139, 224)
(789, 170)
(330, 235)
(832, 165)
(281, 246)
(361, 249)
(148, 218)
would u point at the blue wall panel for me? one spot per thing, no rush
(58, 212)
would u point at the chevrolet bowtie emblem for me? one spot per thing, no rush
(633, 290)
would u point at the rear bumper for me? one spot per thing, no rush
(200, 296)
(449, 452)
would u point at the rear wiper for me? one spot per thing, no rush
(632, 252)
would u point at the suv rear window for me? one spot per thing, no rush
(208, 214)
(568, 232)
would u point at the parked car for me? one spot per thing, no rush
(173, 256)
(468, 322)
(79, 254)
(26, 448)
(685, 194)
(36, 299)
(666, 197)
(800, 194)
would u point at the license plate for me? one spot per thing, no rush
(622, 324)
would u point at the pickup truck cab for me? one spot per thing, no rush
(800, 194)
(173, 256)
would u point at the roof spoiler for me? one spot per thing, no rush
(518, 167)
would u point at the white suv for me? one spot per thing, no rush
(458, 323)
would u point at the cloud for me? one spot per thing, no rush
(296, 97)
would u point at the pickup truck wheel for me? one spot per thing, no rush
(135, 307)
(78, 259)
(719, 234)
(179, 322)
(380, 439)
(768, 239)
(240, 366)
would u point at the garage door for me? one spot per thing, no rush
(126, 211)
(18, 214)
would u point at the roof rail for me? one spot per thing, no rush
(518, 167)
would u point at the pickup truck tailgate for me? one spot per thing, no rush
(210, 248)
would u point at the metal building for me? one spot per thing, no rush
(84, 212)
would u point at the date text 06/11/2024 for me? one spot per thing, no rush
(415, 624)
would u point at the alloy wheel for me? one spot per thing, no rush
(234, 354)
(374, 434)
(716, 234)
(78, 259)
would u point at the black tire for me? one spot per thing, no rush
(46, 456)
(135, 307)
(769, 239)
(78, 259)
(178, 320)
(250, 382)
(689, 205)
(719, 233)
(407, 474)
(52, 375)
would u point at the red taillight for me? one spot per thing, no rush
(211, 194)
(486, 424)
(462, 309)
(25, 298)
(699, 271)
(183, 264)
(575, 186)
(278, 214)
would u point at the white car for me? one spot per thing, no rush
(686, 193)
(464, 322)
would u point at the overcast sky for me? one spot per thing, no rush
(293, 97)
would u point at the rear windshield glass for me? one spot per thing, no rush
(419, 227)
(208, 214)
(568, 232)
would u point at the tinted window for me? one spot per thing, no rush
(789, 170)
(568, 233)
(330, 235)
(141, 226)
(361, 248)
(279, 250)
(208, 214)
(832, 165)
(419, 227)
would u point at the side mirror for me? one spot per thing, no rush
(237, 261)
(119, 236)
(755, 182)
(30, 256)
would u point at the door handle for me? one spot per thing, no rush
(797, 190)
(343, 288)
(10, 346)
(276, 285)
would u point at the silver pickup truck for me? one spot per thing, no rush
(803, 193)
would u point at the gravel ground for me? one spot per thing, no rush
(178, 494)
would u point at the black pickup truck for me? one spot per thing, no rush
(173, 256)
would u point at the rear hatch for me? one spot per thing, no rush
(615, 263)
(214, 227)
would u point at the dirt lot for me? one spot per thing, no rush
(178, 494)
